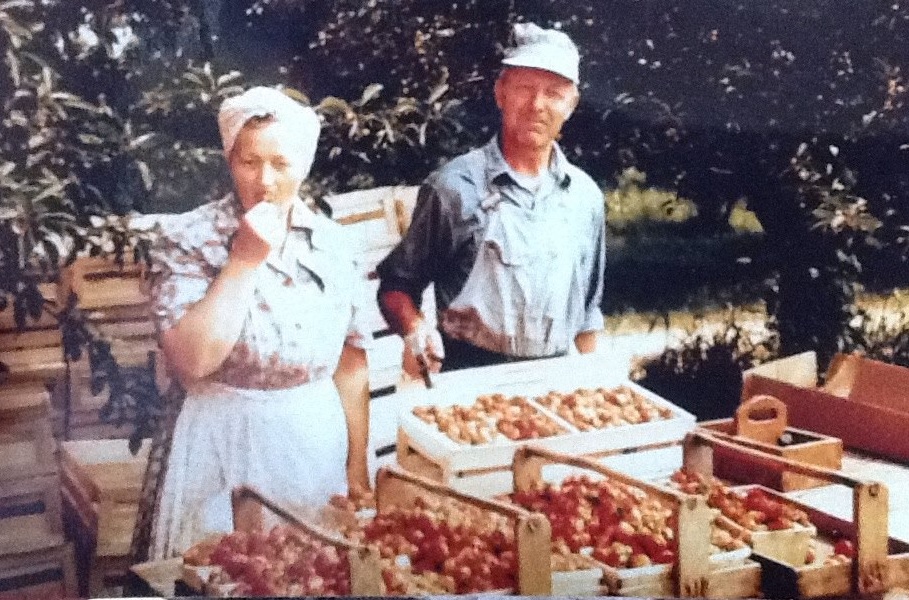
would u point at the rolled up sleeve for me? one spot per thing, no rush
(416, 261)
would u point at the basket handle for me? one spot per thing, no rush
(752, 421)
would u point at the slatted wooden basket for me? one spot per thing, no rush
(880, 562)
(696, 573)
(250, 512)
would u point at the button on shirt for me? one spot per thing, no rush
(451, 215)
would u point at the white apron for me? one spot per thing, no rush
(291, 444)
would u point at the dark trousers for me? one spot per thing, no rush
(462, 355)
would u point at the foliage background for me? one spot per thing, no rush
(794, 108)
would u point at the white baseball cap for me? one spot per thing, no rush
(546, 49)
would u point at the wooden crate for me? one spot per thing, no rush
(13, 340)
(375, 218)
(27, 446)
(696, 572)
(33, 364)
(78, 410)
(30, 515)
(45, 321)
(850, 406)
(421, 446)
(102, 484)
(805, 446)
(250, 513)
(100, 284)
(880, 562)
(479, 481)
(399, 489)
(35, 352)
(46, 574)
(104, 470)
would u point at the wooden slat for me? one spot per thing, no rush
(45, 321)
(106, 469)
(31, 530)
(718, 439)
(87, 274)
(20, 566)
(30, 398)
(33, 338)
(33, 364)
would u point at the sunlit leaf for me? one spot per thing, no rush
(370, 92)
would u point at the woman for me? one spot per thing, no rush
(257, 311)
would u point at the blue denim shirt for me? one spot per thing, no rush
(449, 223)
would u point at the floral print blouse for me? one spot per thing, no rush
(306, 304)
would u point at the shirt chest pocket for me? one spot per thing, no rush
(519, 240)
(508, 254)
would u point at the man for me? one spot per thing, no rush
(512, 235)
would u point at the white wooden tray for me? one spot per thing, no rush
(532, 379)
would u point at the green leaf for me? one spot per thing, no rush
(334, 104)
(145, 172)
(228, 77)
(193, 78)
(90, 139)
(437, 93)
(372, 90)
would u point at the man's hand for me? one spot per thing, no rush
(423, 343)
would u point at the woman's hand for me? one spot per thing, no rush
(262, 228)
(202, 339)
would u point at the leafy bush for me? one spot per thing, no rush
(109, 107)
(671, 269)
(703, 373)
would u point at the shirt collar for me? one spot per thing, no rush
(301, 216)
(497, 166)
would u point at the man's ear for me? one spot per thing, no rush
(576, 98)
(498, 91)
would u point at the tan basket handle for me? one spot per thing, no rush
(764, 430)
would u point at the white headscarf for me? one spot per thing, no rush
(235, 112)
